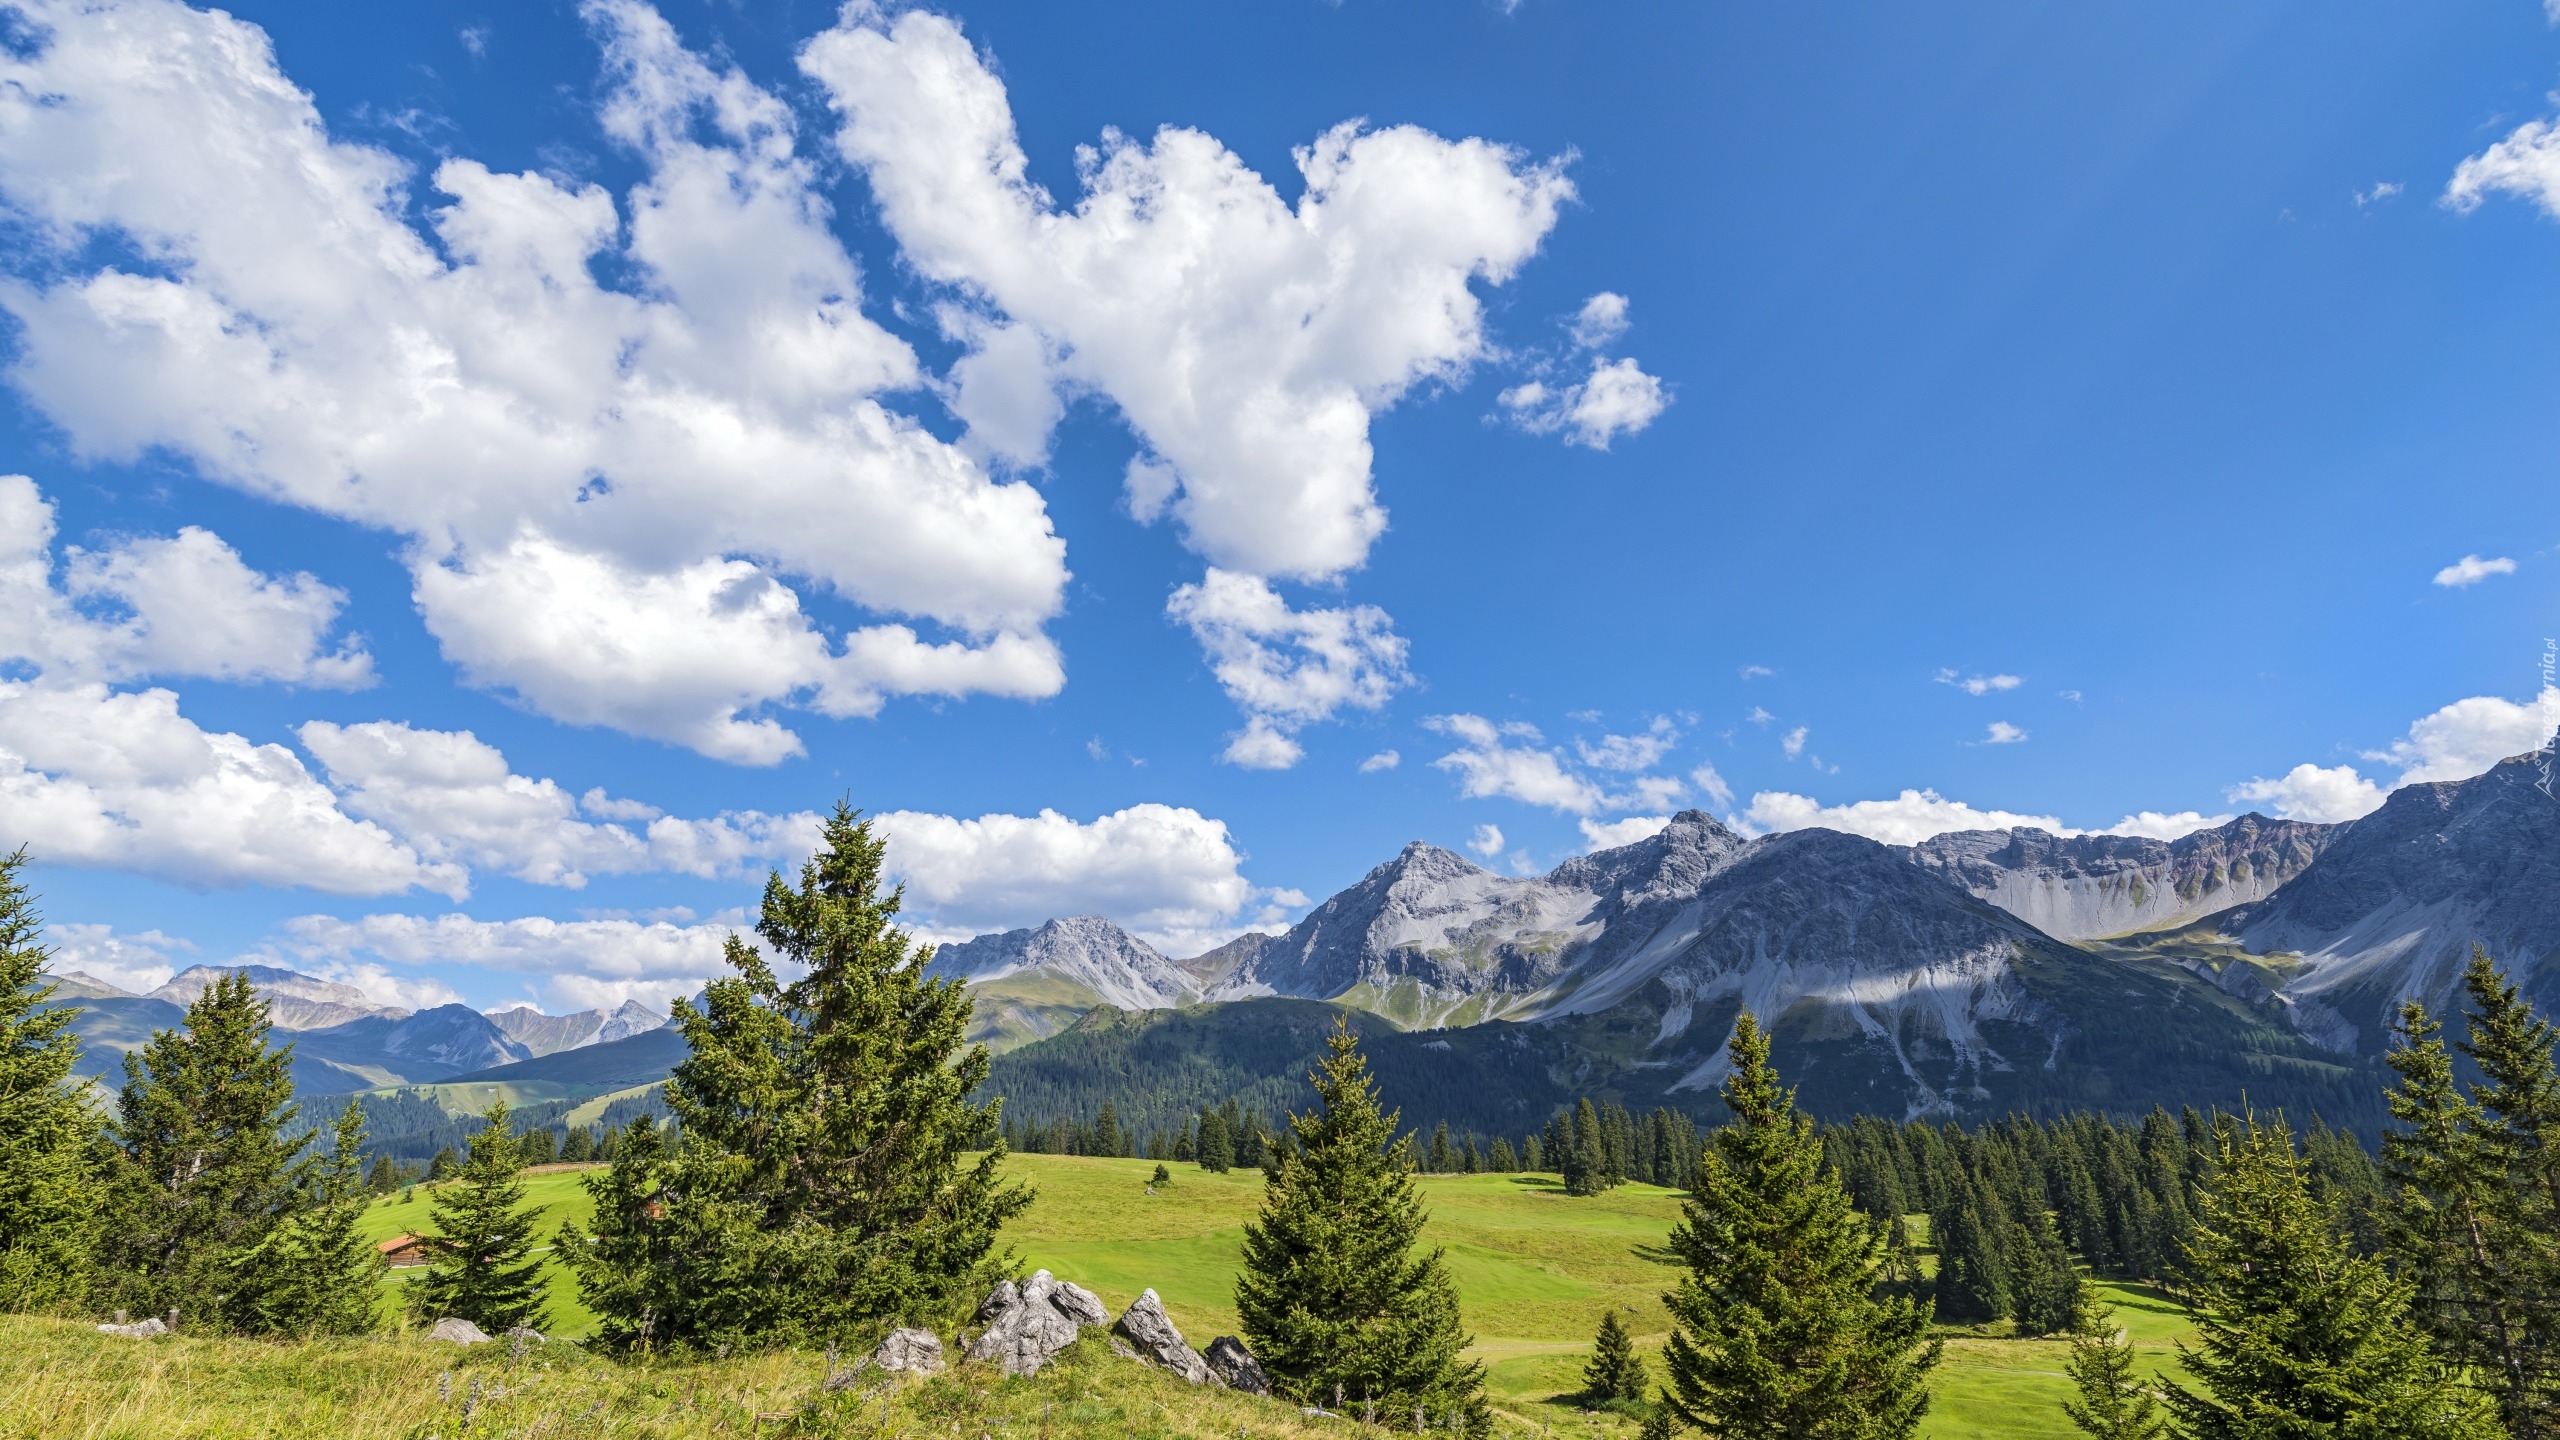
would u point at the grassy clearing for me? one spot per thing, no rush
(1535, 1268)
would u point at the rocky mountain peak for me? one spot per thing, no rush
(1084, 950)
(294, 1000)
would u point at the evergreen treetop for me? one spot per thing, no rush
(2112, 1403)
(1777, 1331)
(1616, 1372)
(201, 1172)
(2296, 1337)
(482, 1266)
(1332, 1292)
(817, 1181)
(48, 1195)
(316, 1273)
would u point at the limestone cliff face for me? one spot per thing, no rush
(2392, 907)
(2086, 887)
(1083, 950)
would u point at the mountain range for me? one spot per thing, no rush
(1972, 973)
(1975, 973)
(342, 1041)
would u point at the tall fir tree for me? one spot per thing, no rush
(2518, 1102)
(316, 1273)
(1216, 1146)
(48, 1185)
(2295, 1336)
(2111, 1402)
(1973, 1276)
(1332, 1292)
(482, 1260)
(2446, 1220)
(818, 1181)
(1616, 1372)
(200, 1173)
(2045, 1293)
(1777, 1329)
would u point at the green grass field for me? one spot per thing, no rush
(1535, 1270)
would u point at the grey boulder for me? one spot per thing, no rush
(459, 1332)
(142, 1329)
(1028, 1325)
(915, 1351)
(1146, 1326)
(1235, 1365)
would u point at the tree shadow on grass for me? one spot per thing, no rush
(1538, 1182)
(1658, 1254)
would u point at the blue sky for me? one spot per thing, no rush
(1900, 418)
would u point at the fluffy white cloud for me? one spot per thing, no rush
(1630, 752)
(2153, 825)
(2310, 792)
(2001, 732)
(1488, 765)
(2526, 164)
(1907, 819)
(130, 962)
(1978, 684)
(602, 487)
(1793, 741)
(1602, 319)
(2471, 570)
(1288, 668)
(1487, 841)
(1246, 341)
(88, 777)
(451, 795)
(1610, 834)
(1616, 399)
(1383, 760)
(182, 605)
(578, 964)
(1168, 873)
(2469, 736)
(1712, 784)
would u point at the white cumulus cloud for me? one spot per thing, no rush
(607, 492)
(2526, 165)
(1487, 841)
(452, 796)
(2322, 795)
(136, 962)
(1610, 834)
(1383, 760)
(2001, 732)
(2471, 570)
(1617, 398)
(1979, 684)
(123, 781)
(176, 606)
(1168, 873)
(1488, 764)
(1246, 340)
(1288, 668)
(576, 964)
(2469, 736)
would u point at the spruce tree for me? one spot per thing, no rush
(48, 1188)
(2113, 1402)
(817, 1182)
(200, 1173)
(2296, 1336)
(1216, 1145)
(1332, 1293)
(1502, 1161)
(2445, 1221)
(1616, 1372)
(482, 1266)
(1777, 1331)
(1973, 1277)
(2518, 1128)
(316, 1273)
(2045, 1291)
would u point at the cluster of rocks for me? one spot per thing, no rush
(1028, 1324)
(466, 1334)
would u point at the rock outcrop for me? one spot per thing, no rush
(1147, 1328)
(1235, 1366)
(458, 1332)
(916, 1352)
(1027, 1325)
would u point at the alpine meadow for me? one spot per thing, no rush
(1505, 719)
